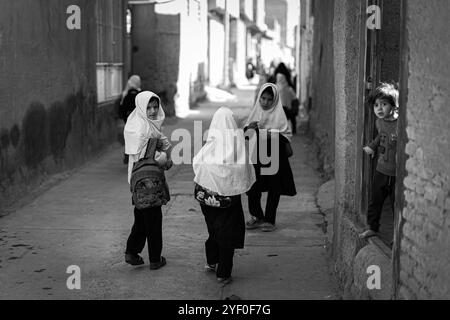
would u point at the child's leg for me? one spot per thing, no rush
(212, 251)
(211, 245)
(254, 204)
(273, 199)
(379, 194)
(153, 224)
(294, 123)
(225, 262)
(136, 240)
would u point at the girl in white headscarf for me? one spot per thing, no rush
(144, 123)
(222, 174)
(268, 115)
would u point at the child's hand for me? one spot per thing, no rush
(211, 201)
(159, 145)
(169, 164)
(253, 125)
(369, 151)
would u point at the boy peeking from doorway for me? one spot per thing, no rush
(385, 105)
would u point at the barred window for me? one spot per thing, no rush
(109, 49)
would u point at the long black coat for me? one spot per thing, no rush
(226, 226)
(128, 105)
(283, 181)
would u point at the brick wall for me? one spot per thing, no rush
(425, 244)
(49, 118)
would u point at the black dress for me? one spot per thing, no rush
(226, 229)
(282, 182)
(226, 226)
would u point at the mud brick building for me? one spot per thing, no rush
(349, 59)
(57, 87)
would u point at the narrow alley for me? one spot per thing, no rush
(85, 220)
(362, 87)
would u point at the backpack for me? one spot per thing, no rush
(148, 183)
(202, 195)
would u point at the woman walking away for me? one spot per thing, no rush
(268, 115)
(222, 174)
(289, 100)
(127, 102)
(131, 90)
(142, 128)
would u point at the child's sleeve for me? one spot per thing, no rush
(167, 146)
(374, 144)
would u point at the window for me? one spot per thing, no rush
(109, 49)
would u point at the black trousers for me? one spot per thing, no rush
(223, 257)
(147, 227)
(292, 117)
(382, 187)
(215, 252)
(254, 205)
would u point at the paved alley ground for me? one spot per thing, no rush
(85, 220)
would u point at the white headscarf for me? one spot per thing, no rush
(274, 118)
(221, 164)
(139, 128)
(133, 83)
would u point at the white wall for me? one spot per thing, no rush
(216, 52)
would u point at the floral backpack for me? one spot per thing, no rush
(148, 183)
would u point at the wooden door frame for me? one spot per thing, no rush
(369, 67)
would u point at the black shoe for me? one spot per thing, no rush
(210, 267)
(225, 281)
(134, 259)
(158, 265)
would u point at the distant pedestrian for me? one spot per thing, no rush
(284, 70)
(289, 100)
(127, 101)
(271, 75)
(222, 174)
(144, 124)
(250, 70)
(268, 114)
(385, 105)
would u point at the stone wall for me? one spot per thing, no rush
(156, 52)
(425, 243)
(322, 113)
(49, 117)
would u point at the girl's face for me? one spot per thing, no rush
(382, 108)
(152, 110)
(266, 101)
